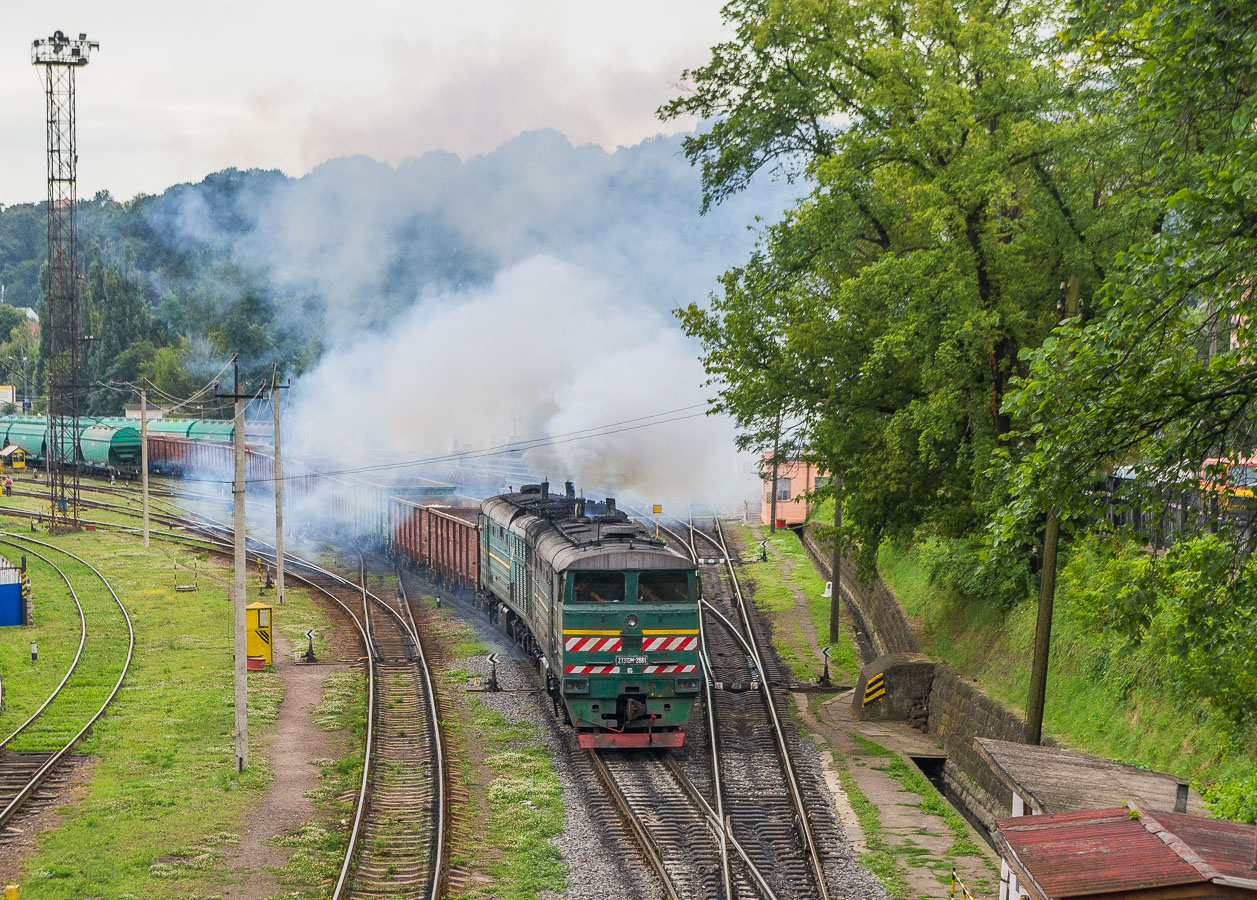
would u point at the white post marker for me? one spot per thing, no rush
(493, 671)
(310, 645)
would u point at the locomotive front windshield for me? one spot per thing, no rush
(598, 587)
(663, 587)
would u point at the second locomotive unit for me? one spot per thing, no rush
(610, 613)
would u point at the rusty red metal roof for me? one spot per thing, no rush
(1229, 847)
(1098, 851)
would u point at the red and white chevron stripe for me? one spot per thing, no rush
(668, 670)
(593, 670)
(670, 642)
(593, 644)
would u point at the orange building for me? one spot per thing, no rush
(795, 479)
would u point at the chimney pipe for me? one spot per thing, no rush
(570, 489)
(611, 506)
(545, 490)
(1180, 797)
(580, 508)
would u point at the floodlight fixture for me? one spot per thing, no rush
(60, 50)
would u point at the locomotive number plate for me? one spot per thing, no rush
(630, 660)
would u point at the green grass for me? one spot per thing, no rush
(163, 799)
(776, 594)
(515, 807)
(879, 858)
(883, 858)
(56, 633)
(1100, 699)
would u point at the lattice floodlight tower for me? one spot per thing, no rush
(61, 56)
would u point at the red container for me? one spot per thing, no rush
(781, 523)
(255, 663)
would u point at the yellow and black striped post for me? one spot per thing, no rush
(875, 689)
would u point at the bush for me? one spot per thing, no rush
(960, 567)
(1236, 800)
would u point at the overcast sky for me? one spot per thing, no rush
(179, 90)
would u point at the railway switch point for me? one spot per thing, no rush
(258, 631)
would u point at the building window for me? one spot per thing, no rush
(783, 488)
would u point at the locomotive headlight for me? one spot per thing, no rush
(687, 684)
(631, 620)
(575, 686)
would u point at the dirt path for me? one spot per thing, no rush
(294, 743)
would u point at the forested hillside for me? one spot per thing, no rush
(274, 267)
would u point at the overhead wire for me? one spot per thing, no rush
(581, 434)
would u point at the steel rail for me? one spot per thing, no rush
(787, 764)
(77, 655)
(363, 631)
(640, 832)
(364, 628)
(7, 813)
(684, 780)
(713, 736)
(438, 876)
(723, 824)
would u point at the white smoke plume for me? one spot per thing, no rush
(546, 349)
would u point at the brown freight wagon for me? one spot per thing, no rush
(444, 540)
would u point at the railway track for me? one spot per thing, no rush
(396, 845)
(401, 845)
(746, 765)
(33, 752)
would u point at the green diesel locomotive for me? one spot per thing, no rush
(610, 612)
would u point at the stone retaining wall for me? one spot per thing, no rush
(959, 710)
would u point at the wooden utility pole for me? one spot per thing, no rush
(835, 588)
(1047, 588)
(772, 516)
(1043, 632)
(144, 456)
(239, 595)
(279, 492)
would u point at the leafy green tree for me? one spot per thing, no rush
(116, 316)
(1163, 380)
(960, 175)
(166, 372)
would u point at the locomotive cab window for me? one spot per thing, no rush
(663, 587)
(598, 587)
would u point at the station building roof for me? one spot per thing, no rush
(1054, 779)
